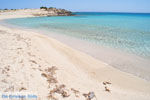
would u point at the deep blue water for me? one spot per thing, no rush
(128, 32)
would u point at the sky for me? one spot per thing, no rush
(82, 5)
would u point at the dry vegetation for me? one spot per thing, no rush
(56, 88)
(106, 88)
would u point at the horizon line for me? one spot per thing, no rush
(85, 11)
(110, 12)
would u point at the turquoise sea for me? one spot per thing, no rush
(128, 32)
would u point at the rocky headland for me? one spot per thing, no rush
(43, 11)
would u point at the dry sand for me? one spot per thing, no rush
(34, 63)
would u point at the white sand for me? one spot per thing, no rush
(24, 56)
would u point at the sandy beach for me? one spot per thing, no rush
(34, 63)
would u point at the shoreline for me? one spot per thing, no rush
(118, 59)
(123, 61)
(79, 70)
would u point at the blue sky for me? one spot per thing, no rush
(82, 5)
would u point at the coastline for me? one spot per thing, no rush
(123, 61)
(79, 70)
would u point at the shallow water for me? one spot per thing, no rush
(124, 31)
